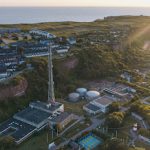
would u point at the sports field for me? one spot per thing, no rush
(89, 142)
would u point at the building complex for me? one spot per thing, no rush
(37, 115)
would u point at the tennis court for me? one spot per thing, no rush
(89, 142)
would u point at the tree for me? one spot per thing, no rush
(144, 132)
(114, 107)
(7, 143)
(115, 119)
(116, 144)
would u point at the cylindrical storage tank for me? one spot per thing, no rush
(74, 97)
(81, 91)
(90, 95)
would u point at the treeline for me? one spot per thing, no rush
(142, 109)
(37, 89)
(97, 61)
(37, 79)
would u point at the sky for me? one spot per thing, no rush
(129, 3)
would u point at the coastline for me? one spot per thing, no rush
(27, 15)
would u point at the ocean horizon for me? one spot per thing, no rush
(16, 15)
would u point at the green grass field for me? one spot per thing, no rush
(37, 142)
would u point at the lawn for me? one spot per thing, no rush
(123, 132)
(76, 108)
(137, 148)
(76, 129)
(142, 144)
(38, 141)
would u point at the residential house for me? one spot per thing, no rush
(42, 33)
(72, 40)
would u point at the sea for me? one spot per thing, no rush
(16, 15)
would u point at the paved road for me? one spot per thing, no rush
(144, 100)
(95, 123)
(134, 137)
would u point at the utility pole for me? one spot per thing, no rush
(51, 96)
(116, 133)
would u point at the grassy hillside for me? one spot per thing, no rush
(68, 28)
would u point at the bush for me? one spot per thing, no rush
(101, 135)
(7, 143)
(116, 144)
(16, 80)
(114, 107)
(144, 132)
(115, 119)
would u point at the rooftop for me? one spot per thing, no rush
(45, 106)
(17, 129)
(92, 107)
(61, 117)
(33, 115)
(104, 100)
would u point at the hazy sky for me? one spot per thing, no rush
(131, 3)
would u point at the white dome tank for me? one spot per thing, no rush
(74, 97)
(90, 95)
(81, 91)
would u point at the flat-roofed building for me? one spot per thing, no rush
(91, 109)
(50, 108)
(32, 119)
(98, 105)
(42, 33)
(17, 129)
(120, 92)
(61, 120)
(103, 103)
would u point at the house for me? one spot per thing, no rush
(27, 36)
(126, 76)
(31, 49)
(3, 71)
(72, 40)
(62, 49)
(42, 33)
(34, 48)
(9, 30)
(9, 56)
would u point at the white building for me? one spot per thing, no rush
(98, 105)
(3, 75)
(91, 109)
(42, 33)
(62, 51)
(103, 103)
(72, 40)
